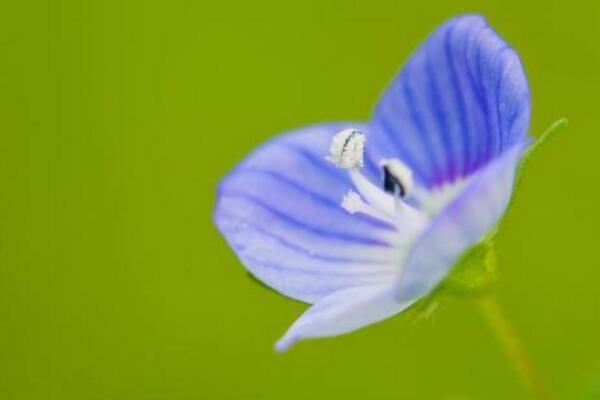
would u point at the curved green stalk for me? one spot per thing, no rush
(512, 345)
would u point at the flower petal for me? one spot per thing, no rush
(343, 311)
(465, 221)
(460, 100)
(280, 212)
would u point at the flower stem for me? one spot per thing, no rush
(512, 345)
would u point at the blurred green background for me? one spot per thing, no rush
(117, 121)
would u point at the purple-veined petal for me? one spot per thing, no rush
(280, 212)
(344, 311)
(461, 100)
(465, 221)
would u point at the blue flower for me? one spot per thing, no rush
(363, 219)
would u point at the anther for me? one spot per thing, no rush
(397, 178)
(352, 202)
(347, 149)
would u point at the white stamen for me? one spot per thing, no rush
(347, 149)
(353, 203)
(372, 193)
(400, 172)
(407, 215)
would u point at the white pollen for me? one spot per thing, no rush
(400, 171)
(352, 202)
(347, 149)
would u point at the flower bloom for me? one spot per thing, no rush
(363, 219)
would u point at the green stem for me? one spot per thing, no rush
(513, 347)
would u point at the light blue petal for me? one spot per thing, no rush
(465, 221)
(280, 212)
(342, 312)
(461, 100)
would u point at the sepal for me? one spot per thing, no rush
(532, 149)
(475, 274)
